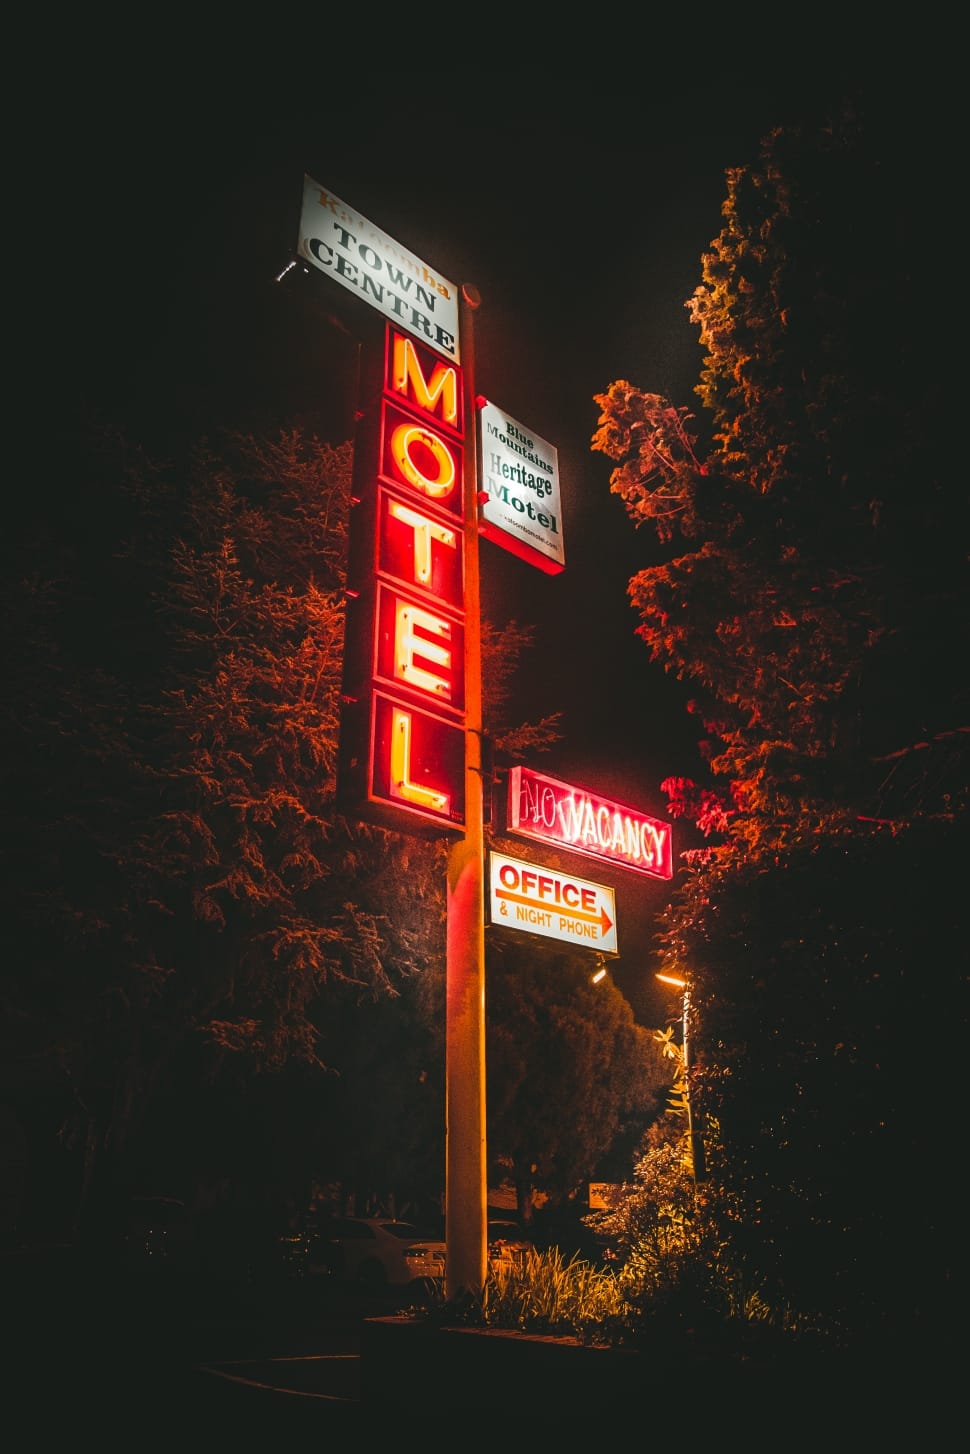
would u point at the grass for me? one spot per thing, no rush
(541, 1292)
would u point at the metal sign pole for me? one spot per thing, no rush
(466, 1183)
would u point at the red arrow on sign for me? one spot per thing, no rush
(602, 918)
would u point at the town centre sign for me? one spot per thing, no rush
(335, 238)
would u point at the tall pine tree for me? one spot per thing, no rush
(814, 595)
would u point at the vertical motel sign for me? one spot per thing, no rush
(402, 735)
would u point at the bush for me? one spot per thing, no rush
(674, 1277)
(542, 1292)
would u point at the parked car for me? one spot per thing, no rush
(506, 1244)
(377, 1252)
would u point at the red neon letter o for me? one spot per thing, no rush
(403, 439)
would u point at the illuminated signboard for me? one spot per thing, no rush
(358, 256)
(402, 732)
(413, 547)
(417, 762)
(519, 505)
(420, 649)
(553, 812)
(555, 905)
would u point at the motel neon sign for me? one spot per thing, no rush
(553, 812)
(402, 736)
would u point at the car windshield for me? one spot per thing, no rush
(406, 1231)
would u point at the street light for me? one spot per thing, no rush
(681, 984)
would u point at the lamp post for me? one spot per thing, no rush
(681, 984)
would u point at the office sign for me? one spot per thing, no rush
(379, 271)
(556, 905)
(519, 506)
(564, 816)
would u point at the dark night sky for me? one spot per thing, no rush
(581, 219)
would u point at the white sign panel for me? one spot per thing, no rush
(557, 905)
(519, 474)
(356, 254)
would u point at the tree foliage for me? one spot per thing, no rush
(181, 883)
(814, 593)
(191, 909)
(568, 1070)
(287, 895)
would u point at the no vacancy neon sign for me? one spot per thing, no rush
(569, 817)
